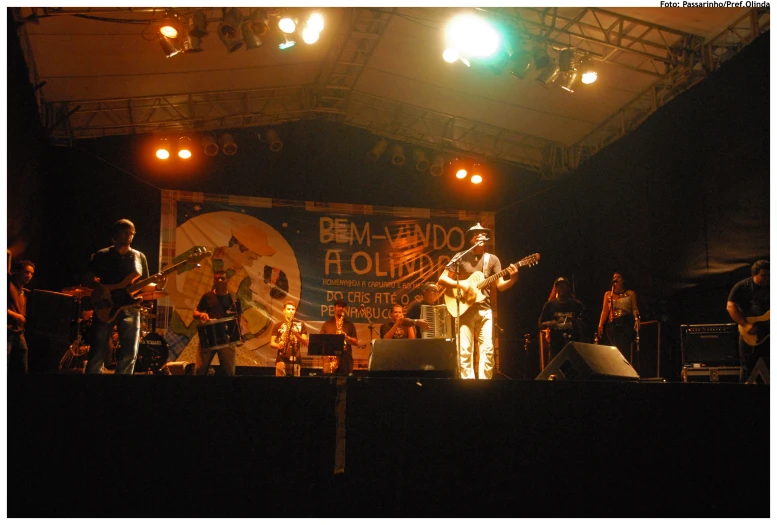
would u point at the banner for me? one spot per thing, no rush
(309, 252)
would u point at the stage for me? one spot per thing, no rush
(186, 446)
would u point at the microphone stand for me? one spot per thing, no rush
(370, 326)
(457, 261)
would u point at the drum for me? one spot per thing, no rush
(152, 353)
(218, 333)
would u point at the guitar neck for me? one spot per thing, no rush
(134, 287)
(489, 280)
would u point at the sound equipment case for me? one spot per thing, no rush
(711, 374)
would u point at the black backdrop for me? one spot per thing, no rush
(681, 205)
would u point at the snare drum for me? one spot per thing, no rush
(218, 333)
(152, 353)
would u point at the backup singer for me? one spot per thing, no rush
(562, 314)
(477, 320)
(113, 269)
(287, 337)
(17, 317)
(395, 329)
(217, 304)
(430, 296)
(620, 316)
(749, 298)
(340, 325)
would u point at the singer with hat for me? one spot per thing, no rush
(476, 321)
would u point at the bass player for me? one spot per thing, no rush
(748, 306)
(113, 269)
(477, 319)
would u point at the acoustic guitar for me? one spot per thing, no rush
(761, 324)
(122, 294)
(472, 287)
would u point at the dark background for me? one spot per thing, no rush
(680, 206)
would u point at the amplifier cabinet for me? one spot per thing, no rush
(711, 374)
(710, 344)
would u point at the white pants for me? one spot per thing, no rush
(477, 321)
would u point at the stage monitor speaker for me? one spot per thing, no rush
(51, 315)
(760, 375)
(710, 344)
(587, 362)
(413, 357)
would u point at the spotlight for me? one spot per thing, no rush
(476, 179)
(310, 36)
(228, 146)
(170, 35)
(588, 70)
(287, 24)
(170, 46)
(541, 57)
(521, 64)
(421, 163)
(377, 150)
(228, 29)
(162, 149)
(461, 174)
(184, 147)
(566, 59)
(209, 146)
(255, 27)
(397, 155)
(197, 24)
(316, 22)
(471, 36)
(450, 55)
(548, 75)
(252, 41)
(274, 140)
(437, 166)
(171, 26)
(567, 82)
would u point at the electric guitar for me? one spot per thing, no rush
(471, 288)
(761, 334)
(122, 294)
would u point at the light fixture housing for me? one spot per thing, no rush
(228, 145)
(184, 147)
(437, 167)
(587, 70)
(548, 75)
(522, 61)
(568, 81)
(421, 162)
(209, 145)
(229, 29)
(397, 154)
(287, 24)
(378, 149)
(274, 140)
(566, 59)
(162, 149)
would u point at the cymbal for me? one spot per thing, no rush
(153, 296)
(77, 291)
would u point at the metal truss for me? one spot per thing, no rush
(677, 60)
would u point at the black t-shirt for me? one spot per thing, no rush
(218, 306)
(400, 333)
(349, 329)
(752, 299)
(568, 315)
(472, 263)
(112, 267)
(280, 328)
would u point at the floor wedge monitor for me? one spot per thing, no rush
(587, 362)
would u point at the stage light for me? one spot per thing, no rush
(568, 81)
(377, 150)
(228, 146)
(209, 146)
(287, 24)
(419, 157)
(397, 155)
(548, 75)
(229, 27)
(171, 26)
(274, 140)
(438, 166)
(521, 64)
(251, 40)
(184, 147)
(316, 22)
(170, 46)
(170, 35)
(471, 36)
(541, 57)
(254, 27)
(197, 24)
(476, 179)
(450, 55)
(310, 36)
(162, 149)
(566, 59)
(461, 174)
(588, 70)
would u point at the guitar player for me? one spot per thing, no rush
(113, 269)
(477, 319)
(748, 303)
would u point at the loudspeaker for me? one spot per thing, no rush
(710, 344)
(51, 315)
(413, 357)
(587, 362)
(760, 375)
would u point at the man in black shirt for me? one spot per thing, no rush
(110, 272)
(340, 325)
(396, 328)
(748, 301)
(287, 337)
(214, 305)
(563, 315)
(17, 317)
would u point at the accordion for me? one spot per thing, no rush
(440, 322)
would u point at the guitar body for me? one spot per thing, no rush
(761, 334)
(470, 294)
(106, 309)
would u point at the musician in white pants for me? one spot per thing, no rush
(476, 318)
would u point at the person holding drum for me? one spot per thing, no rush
(218, 313)
(287, 337)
